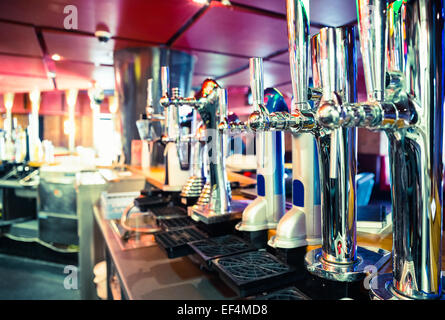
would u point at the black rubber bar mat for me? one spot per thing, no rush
(175, 223)
(168, 212)
(254, 272)
(175, 242)
(212, 248)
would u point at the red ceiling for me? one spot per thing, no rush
(274, 74)
(20, 40)
(215, 65)
(22, 66)
(221, 38)
(270, 5)
(149, 20)
(331, 13)
(228, 31)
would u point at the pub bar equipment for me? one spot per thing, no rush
(211, 103)
(175, 173)
(300, 226)
(402, 47)
(267, 209)
(169, 139)
(339, 258)
(191, 191)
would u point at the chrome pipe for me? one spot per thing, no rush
(416, 157)
(339, 258)
(257, 83)
(171, 114)
(149, 109)
(298, 34)
(372, 29)
(221, 193)
(337, 150)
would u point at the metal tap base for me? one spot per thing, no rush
(368, 259)
(383, 289)
(208, 216)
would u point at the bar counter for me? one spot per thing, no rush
(147, 274)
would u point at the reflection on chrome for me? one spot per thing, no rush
(402, 45)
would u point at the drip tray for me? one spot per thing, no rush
(212, 248)
(254, 272)
(175, 242)
(168, 212)
(175, 223)
(290, 293)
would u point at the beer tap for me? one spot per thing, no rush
(339, 258)
(175, 173)
(191, 191)
(267, 209)
(406, 101)
(211, 103)
(300, 226)
(144, 124)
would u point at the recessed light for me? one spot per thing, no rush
(56, 57)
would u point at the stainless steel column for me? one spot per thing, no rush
(406, 100)
(416, 156)
(337, 150)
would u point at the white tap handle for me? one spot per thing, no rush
(165, 79)
(257, 81)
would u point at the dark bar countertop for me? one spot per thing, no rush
(147, 274)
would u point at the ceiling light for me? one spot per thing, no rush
(202, 1)
(56, 57)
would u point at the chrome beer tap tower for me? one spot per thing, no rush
(175, 174)
(145, 123)
(339, 258)
(300, 226)
(193, 187)
(403, 57)
(211, 103)
(267, 209)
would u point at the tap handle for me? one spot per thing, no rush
(150, 92)
(372, 28)
(298, 34)
(257, 81)
(223, 108)
(165, 79)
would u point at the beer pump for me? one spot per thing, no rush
(267, 209)
(402, 49)
(211, 103)
(339, 258)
